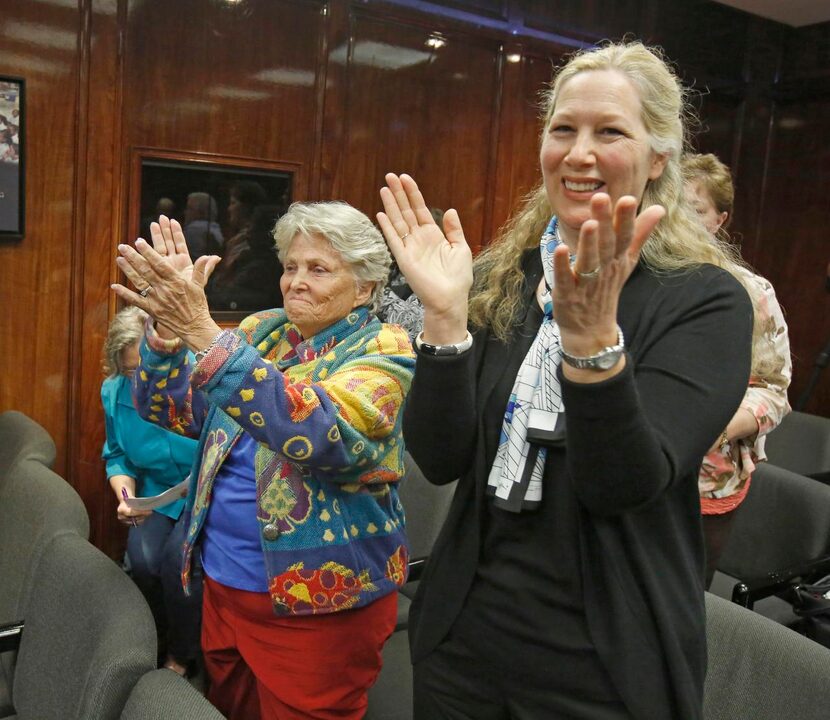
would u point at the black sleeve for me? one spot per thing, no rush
(439, 423)
(631, 437)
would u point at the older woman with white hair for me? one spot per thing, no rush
(572, 378)
(293, 504)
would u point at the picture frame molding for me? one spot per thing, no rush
(20, 232)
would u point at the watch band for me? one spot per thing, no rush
(605, 359)
(455, 349)
(201, 353)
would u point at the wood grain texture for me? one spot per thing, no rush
(39, 42)
(408, 107)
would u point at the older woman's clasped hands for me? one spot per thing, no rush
(171, 289)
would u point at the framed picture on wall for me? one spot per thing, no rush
(226, 207)
(12, 156)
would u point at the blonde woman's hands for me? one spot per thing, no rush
(437, 265)
(586, 296)
(173, 286)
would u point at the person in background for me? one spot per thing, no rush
(726, 472)
(201, 229)
(293, 504)
(143, 460)
(610, 344)
(253, 284)
(245, 197)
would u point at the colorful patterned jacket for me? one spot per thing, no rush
(326, 414)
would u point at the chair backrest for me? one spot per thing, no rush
(164, 695)
(761, 670)
(426, 506)
(21, 437)
(801, 444)
(36, 504)
(784, 522)
(89, 636)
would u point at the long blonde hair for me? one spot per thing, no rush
(679, 241)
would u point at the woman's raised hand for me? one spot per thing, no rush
(168, 240)
(171, 288)
(437, 265)
(585, 296)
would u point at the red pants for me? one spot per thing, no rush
(282, 668)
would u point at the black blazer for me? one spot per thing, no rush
(634, 445)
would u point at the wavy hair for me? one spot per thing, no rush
(679, 241)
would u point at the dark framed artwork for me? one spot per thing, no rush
(227, 207)
(12, 157)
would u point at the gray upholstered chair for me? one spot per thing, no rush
(35, 506)
(391, 696)
(21, 437)
(88, 636)
(426, 507)
(801, 444)
(164, 695)
(782, 528)
(761, 670)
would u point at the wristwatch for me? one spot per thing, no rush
(605, 359)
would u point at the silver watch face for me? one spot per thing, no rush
(607, 361)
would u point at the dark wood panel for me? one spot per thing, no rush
(720, 125)
(806, 53)
(707, 40)
(517, 169)
(99, 208)
(410, 107)
(794, 246)
(39, 42)
(234, 79)
(591, 20)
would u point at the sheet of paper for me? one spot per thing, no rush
(177, 492)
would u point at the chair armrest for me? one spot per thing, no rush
(747, 592)
(10, 636)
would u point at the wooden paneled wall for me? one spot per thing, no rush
(344, 91)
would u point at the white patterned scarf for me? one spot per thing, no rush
(515, 480)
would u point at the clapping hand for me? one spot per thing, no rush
(171, 288)
(585, 296)
(437, 265)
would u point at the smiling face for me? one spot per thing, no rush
(595, 142)
(700, 199)
(318, 286)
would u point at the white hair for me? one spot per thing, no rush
(349, 232)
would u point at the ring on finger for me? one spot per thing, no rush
(146, 291)
(404, 237)
(590, 275)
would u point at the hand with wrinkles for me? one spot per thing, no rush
(171, 287)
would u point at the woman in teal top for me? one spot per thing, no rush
(143, 460)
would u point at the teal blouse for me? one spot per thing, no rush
(155, 457)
